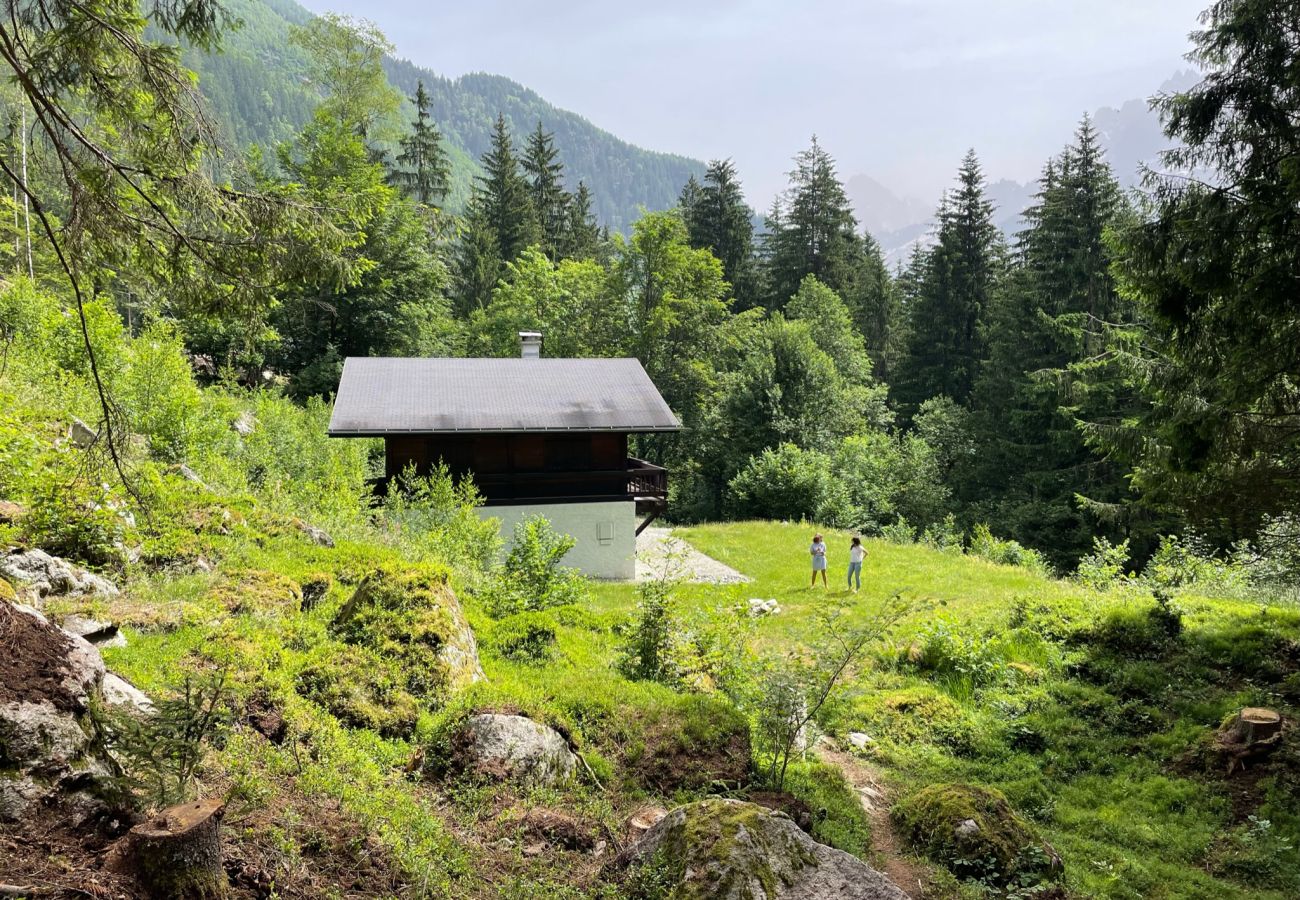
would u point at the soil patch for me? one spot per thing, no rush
(789, 804)
(911, 876)
(33, 661)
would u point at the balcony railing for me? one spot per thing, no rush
(640, 481)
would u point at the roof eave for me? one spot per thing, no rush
(420, 432)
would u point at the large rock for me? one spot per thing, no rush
(48, 575)
(730, 850)
(512, 748)
(101, 634)
(975, 833)
(48, 749)
(410, 617)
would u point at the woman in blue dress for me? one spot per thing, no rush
(818, 551)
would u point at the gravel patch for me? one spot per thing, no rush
(657, 550)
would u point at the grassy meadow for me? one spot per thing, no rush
(1094, 723)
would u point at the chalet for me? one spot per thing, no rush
(539, 436)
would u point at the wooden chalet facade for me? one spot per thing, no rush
(546, 436)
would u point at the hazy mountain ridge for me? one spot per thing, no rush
(1131, 135)
(258, 90)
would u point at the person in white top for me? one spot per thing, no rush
(857, 553)
(818, 551)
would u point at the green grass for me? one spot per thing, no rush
(1103, 747)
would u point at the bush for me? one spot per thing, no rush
(1007, 553)
(1104, 566)
(533, 578)
(788, 483)
(159, 395)
(943, 648)
(650, 651)
(974, 833)
(436, 513)
(944, 535)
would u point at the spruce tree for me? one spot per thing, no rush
(425, 170)
(503, 196)
(1216, 266)
(719, 220)
(812, 231)
(961, 272)
(582, 237)
(1045, 370)
(550, 201)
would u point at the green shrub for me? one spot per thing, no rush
(533, 577)
(357, 687)
(649, 651)
(1008, 553)
(159, 395)
(68, 516)
(525, 637)
(788, 483)
(944, 535)
(1104, 566)
(945, 648)
(1137, 630)
(974, 833)
(899, 532)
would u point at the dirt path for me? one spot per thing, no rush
(886, 845)
(657, 550)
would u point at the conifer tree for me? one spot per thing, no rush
(812, 231)
(503, 196)
(877, 309)
(499, 223)
(1216, 267)
(582, 237)
(1045, 370)
(961, 272)
(550, 201)
(425, 170)
(719, 220)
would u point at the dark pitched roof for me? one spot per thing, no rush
(439, 396)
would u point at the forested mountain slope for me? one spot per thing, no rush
(258, 90)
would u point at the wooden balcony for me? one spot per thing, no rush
(640, 481)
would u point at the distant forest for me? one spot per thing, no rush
(260, 91)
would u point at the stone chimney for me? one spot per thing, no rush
(530, 344)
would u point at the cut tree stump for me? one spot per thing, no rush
(176, 855)
(1252, 733)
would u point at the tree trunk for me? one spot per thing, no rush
(176, 855)
(1255, 725)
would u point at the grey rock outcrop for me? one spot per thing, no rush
(82, 434)
(101, 634)
(48, 575)
(47, 741)
(122, 693)
(728, 850)
(316, 535)
(512, 748)
(244, 425)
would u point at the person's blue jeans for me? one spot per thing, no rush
(855, 572)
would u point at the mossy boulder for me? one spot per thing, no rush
(729, 850)
(359, 690)
(975, 833)
(409, 616)
(7, 592)
(258, 591)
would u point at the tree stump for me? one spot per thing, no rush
(176, 855)
(1252, 733)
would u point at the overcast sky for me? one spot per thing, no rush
(896, 89)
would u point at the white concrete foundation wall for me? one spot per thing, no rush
(605, 533)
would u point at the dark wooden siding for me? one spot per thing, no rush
(508, 466)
